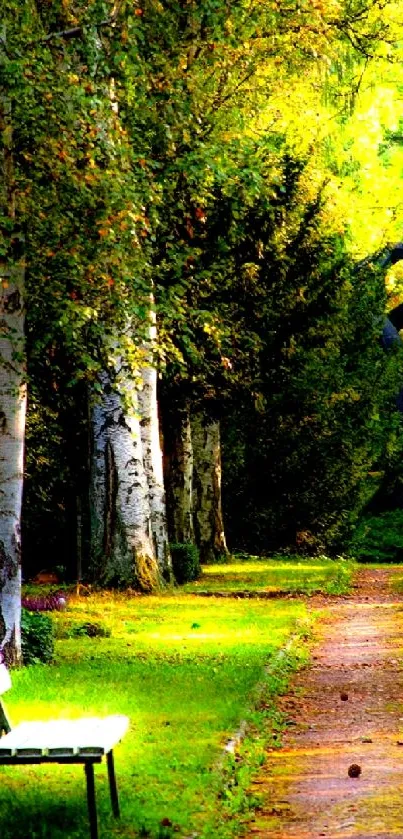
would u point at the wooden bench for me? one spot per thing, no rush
(84, 741)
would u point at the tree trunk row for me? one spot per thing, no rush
(131, 525)
(192, 459)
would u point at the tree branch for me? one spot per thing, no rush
(78, 31)
(384, 258)
(65, 34)
(3, 45)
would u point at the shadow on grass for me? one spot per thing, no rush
(30, 810)
(41, 819)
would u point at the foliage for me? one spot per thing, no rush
(320, 411)
(379, 538)
(37, 637)
(169, 679)
(93, 629)
(139, 136)
(185, 562)
(80, 214)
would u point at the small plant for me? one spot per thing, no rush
(185, 562)
(74, 629)
(340, 582)
(91, 629)
(37, 637)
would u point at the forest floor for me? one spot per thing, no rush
(345, 708)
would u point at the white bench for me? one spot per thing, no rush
(84, 741)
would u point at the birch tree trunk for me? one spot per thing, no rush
(152, 456)
(121, 535)
(12, 406)
(178, 460)
(207, 508)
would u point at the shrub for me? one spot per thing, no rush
(37, 637)
(74, 629)
(91, 630)
(185, 562)
(379, 538)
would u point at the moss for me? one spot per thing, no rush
(147, 577)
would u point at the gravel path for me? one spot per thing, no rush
(346, 708)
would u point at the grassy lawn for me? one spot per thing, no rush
(396, 582)
(277, 575)
(185, 670)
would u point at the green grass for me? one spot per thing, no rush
(185, 670)
(279, 575)
(396, 581)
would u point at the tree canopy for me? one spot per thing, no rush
(233, 162)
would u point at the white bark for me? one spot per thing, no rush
(129, 530)
(12, 432)
(152, 455)
(12, 412)
(122, 544)
(207, 509)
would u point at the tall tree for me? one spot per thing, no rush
(122, 540)
(207, 506)
(178, 469)
(85, 227)
(12, 381)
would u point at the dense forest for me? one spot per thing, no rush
(200, 211)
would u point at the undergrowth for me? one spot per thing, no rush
(379, 538)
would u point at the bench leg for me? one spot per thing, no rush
(92, 807)
(112, 785)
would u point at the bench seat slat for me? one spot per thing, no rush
(86, 736)
(17, 739)
(106, 733)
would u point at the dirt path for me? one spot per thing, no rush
(305, 788)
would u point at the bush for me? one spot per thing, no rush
(37, 637)
(185, 562)
(379, 538)
(91, 630)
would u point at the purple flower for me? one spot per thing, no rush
(54, 601)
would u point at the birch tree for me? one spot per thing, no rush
(122, 540)
(129, 532)
(127, 488)
(89, 284)
(12, 391)
(151, 447)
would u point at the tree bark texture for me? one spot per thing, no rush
(178, 467)
(207, 508)
(12, 408)
(129, 541)
(152, 455)
(122, 544)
